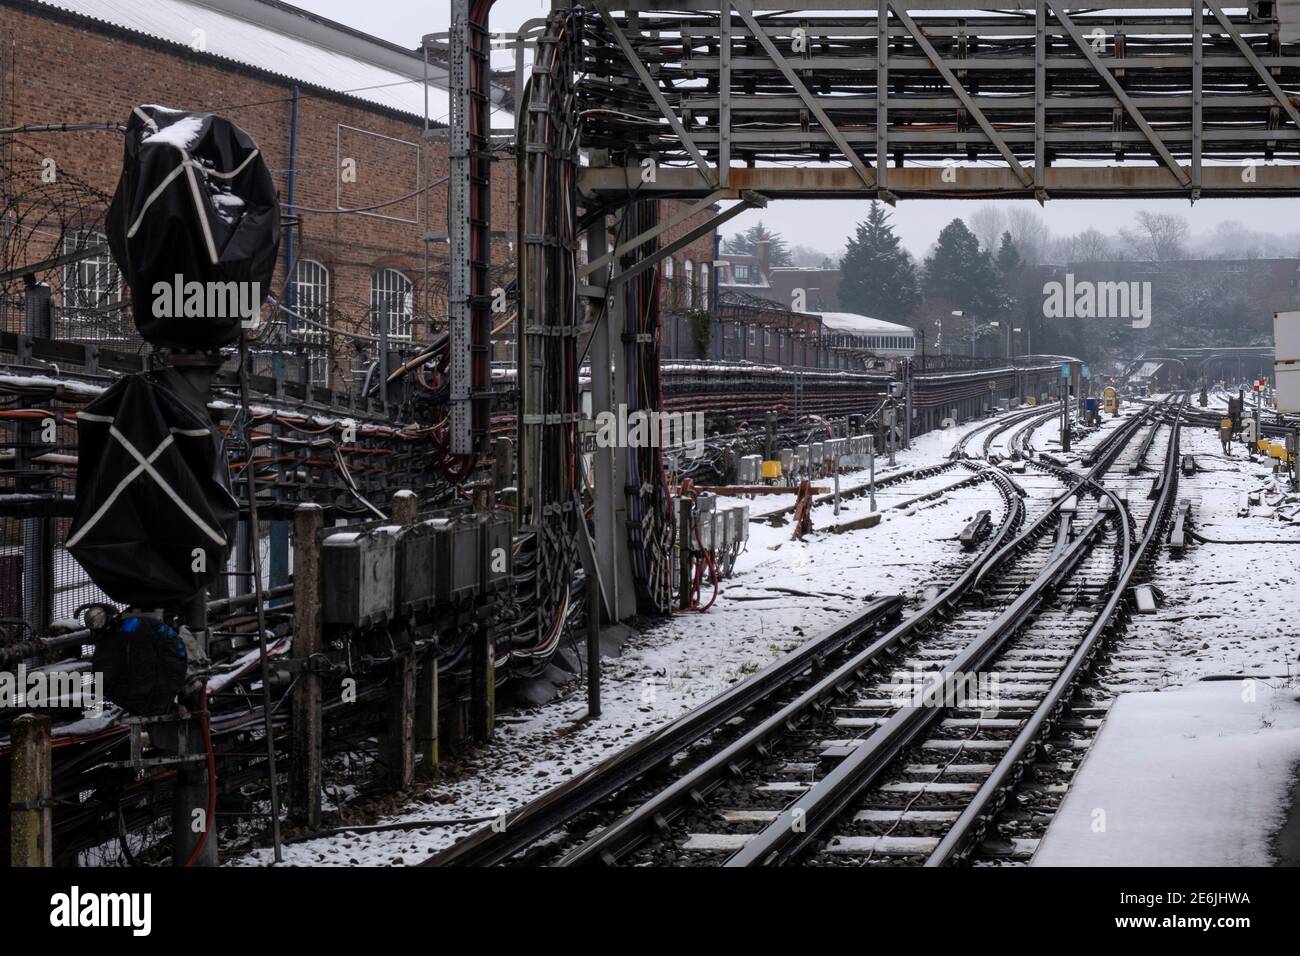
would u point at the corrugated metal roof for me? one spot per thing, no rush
(276, 51)
(860, 324)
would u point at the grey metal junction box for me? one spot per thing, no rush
(358, 570)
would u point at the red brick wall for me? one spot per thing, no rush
(64, 70)
(699, 252)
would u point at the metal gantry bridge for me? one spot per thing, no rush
(1029, 98)
(725, 105)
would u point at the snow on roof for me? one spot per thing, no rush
(861, 324)
(284, 41)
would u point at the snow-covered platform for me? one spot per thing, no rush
(1198, 776)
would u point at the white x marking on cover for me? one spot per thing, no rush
(145, 466)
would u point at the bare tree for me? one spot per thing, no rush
(1029, 232)
(1158, 236)
(1090, 245)
(988, 223)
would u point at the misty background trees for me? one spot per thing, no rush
(1216, 288)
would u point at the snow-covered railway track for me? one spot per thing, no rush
(889, 776)
(651, 770)
(859, 766)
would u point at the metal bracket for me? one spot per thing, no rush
(748, 200)
(680, 216)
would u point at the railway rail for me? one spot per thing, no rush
(777, 786)
(1027, 420)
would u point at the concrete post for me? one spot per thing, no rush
(426, 713)
(399, 724)
(483, 657)
(305, 769)
(31, 841)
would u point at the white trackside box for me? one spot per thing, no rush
(1286, 347)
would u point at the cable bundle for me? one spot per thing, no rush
(649, 530)
(547, 371)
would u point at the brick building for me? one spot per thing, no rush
(821, 287)
(340, 118)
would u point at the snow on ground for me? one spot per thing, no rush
(1227, 609)
(1216, 759)
(1214, 762)
(784, 592)
(682, 662)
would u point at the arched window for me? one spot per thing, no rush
(391, 304)
(688, 291)
(704, 285)
(668, 282)
(309, 299)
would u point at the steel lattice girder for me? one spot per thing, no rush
(1046, 95)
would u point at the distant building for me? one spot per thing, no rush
(797, 287)
(820, 287)
(747, 273)
(874, 342)
(779, 313)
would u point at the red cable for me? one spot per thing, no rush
(713, 572)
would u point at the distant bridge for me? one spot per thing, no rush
(1193, 365)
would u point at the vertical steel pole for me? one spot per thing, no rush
(1198, 48)
(607, 492)
(882, 96)
(458, 229)
(593, 644)
(724, 108)
(1040, 99)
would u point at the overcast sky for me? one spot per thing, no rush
(824, 224)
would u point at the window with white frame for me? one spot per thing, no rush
(704, 285)
(668, 281)
(391, 304)
(753, 335)
(89, 284)
(688, 281)
(310, 291)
